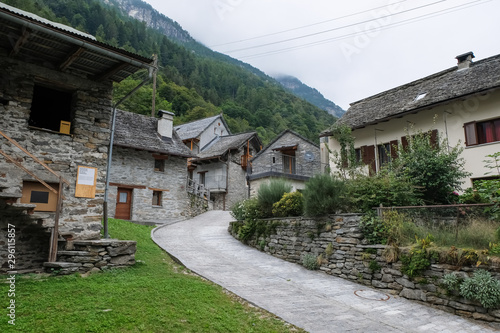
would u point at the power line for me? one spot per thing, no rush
(389, 26)
(306, 26)
(329, 30)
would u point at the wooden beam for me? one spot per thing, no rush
(140, 187)
(19, 165)
(20, 42)
(71, 59)
(111, 72)
(159, 189)
(160, 157)
(34, 157)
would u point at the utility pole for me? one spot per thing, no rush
(155, 71)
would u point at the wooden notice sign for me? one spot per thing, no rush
(86, 182)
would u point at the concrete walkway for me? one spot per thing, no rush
(312, 300)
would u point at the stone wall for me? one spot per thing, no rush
(86, 146)
(92, 256)
(135, 168)
(344, 253)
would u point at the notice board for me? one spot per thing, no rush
(86, 182)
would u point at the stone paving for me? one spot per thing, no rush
(312, 300)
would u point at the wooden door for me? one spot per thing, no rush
(123, 203)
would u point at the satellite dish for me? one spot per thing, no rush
(309, 156)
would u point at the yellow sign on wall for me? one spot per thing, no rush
(86, 180)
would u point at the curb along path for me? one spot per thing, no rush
(312, 300)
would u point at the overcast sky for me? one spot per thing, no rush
(348, 50)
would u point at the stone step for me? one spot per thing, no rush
(61, 264)
(74, 253)
(22, 206)
(4, 195)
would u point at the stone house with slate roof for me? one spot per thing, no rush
(290, 156)
(148, 170)
(460, 104)
(56, 85)
(222, 164)
(197, 134)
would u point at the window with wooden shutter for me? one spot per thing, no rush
(482, 132)
(370, 159)
(434, 138)
(394, 149)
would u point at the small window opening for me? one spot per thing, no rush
(159, 165)
(157, 198)
(51, 109)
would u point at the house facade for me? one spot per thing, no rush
(148, 171)
(221, 167)
(289, 156)
(460, 105)
(55, 110)
(197, 134)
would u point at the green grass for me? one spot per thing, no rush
(155, 295)
(476, 233)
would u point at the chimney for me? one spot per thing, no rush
(464, 60)
(165, 123)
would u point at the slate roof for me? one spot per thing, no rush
(140, 132)
(193, 129)
(300, 137)
(438, 88)
(220, 145)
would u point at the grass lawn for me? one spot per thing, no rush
(156, 295)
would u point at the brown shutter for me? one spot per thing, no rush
(434, 139)
(404, 142)
(364, 158)
(370, 158)
(470, 134)
(394, 149)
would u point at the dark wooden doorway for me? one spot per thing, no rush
(123, 203)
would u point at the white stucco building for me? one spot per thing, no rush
(460, 104)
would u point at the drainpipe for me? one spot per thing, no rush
(110, 150)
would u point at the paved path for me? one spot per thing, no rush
(312, 300)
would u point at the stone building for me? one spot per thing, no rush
(197, 134)
(148, 170)
(222, 166)
(289, 156)
(55, 104)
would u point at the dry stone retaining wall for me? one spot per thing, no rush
(338, 239)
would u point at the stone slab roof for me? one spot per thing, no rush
(427, 92)
(140, 132)
(220, 145)
(271, 144)
(194, 129)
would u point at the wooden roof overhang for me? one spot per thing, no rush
(38, 41)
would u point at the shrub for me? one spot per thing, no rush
(392, 228)
(418, 259)
(482, 287)
(434, 167)
(374, 229)
(384, 188)
(310, 261)
(291, 204)
(270, 193)
(324, 194)
(451, 282)
(247, 210)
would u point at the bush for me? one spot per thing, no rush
(451, 282)
(270, 193)
(384, 188)
(247, 210)
(310, 261)
(324, 194)
(482, 287)
(374, 229)
(437, 169)
(291, 204)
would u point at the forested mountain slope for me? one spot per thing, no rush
(193, 81)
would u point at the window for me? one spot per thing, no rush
(157, 198)
(384, 156)
(51, 109)
(202, 177)
(477, 133)
(358, 155)
(159, 165)
(289, 162)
